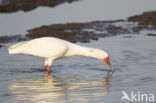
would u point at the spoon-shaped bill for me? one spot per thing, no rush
(108, 64)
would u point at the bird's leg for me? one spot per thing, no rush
(49, 69)
(45, 67)
(50, 60)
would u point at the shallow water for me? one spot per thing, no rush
(81, 79)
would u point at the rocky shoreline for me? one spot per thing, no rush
(84, 32)
(7, 6)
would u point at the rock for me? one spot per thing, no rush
(27, 5)
(138, 28)
(84, 32)
(10, 39)
(147, 18)
(77, 32)
(151, 34)
(114, 30)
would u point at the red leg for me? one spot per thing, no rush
(45, 67)
(49, 69)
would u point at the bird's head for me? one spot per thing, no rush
(102, 55)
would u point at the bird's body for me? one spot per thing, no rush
(43, 47)
(52, 48)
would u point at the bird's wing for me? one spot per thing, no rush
(16, 45)
(46, 47)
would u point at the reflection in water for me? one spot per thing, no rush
(51, 89)
(106, 80)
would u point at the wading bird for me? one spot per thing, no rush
(51, 48)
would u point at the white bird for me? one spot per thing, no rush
(51, 48)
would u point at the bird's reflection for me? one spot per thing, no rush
(39, 90)
(106, 80)
(51, 89)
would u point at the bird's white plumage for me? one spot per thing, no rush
(52, 48)
(46, 47)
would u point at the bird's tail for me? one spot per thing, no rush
(13, 48)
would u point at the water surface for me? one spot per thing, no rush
(81, 79)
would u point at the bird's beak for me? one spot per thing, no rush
(108, 64)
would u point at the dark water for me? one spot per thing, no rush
(81, 79)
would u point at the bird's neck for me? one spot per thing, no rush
(77, 50)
